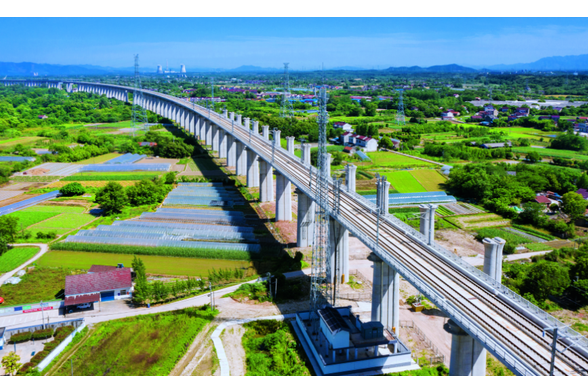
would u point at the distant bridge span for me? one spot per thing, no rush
(507, 325)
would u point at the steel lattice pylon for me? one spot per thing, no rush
(286, 110)
(320, 293)
(400, 120)
(139, 118)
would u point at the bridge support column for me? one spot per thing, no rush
(247, 123)
(192, 124)
(222, 145)
(427, 224)
(208, 134)
(241, 159)
(215, 138)
(231, 151)
(339, 252)
(329, 165)
(256, 127)
(238, 119)
(350, 177)
(266, 181)
(306, 154)
(305, 220)
(386, 296)
(202, 130)
(383, 195)
(252, 169)
(265, 132)
(277, 133)
(468, 356)
(283, 198)
(290, 144)
(493, 257)
(232, 116)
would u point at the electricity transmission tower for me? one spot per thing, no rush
(400, 120)
(286, 110)
(139, 118)
(320, 268)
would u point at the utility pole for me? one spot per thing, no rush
(211, 295)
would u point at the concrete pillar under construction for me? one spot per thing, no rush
(238, 120)
(386, 296)
(241, 159)
(305, 220)
(265, 132)
(266, 181)
(222, 146)
(427, 223)
(350, 179)
(252, 169)
(247, 123)
(256, 127)
(231, 151)
(232, 116)
(383, 195)
(283, 198)
(468, 356)
(277, 133)
(493, 248)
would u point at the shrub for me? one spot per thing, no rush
(43, 333)
(21, 337)
(25, 368)
(51, 235)
(39, 357)
(73, 189)
(63, 332)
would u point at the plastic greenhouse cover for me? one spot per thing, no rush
(203, 233)
(28, 202)
(184, 226)
(126, 167)
(200, 212)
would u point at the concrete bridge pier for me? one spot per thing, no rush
(208, 135)
(238, 120)
(252, 169)
(383, 195)
(247, 124)
(290, 144)
(305, 220)
(232, 116)
(225, 113)
(277, 133)
(266, 181)
(256, 127)
(468, 356)
(386, 296)
(222, 147)
(283, 198)
(202, 130)
(241, 159)
(339, 252)
(306, 154)
(192, 124)
(427, 223)
(265, 132)
(350, 179)
(231, 151)
(215, 138)
(493, 248)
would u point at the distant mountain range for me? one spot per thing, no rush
(556, 63)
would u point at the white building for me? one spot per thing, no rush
(367, 143)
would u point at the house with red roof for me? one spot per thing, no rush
(543, 200)
(342, 125)
(351, 139)
(101, 283)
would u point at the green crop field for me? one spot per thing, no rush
(99, 159)
(40, 284)
(27, 218)
(145, 345)
(16, 256)
(8, 143)
(64, 221)
(58, 209)
(200, 164)
(164, 265)
(431, 180)
(383, 159)
(113, 176)
(514, 239)
(550, 152)
(404, 182)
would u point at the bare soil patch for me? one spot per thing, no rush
(15, 199)
(459, 242)
(231, 339)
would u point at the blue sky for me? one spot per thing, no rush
(304, 42)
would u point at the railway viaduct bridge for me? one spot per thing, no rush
(484, 315)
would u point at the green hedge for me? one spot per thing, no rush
(21, 337)
(157, 251)
(43, 333)
(40, 356)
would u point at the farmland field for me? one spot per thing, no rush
(550, 152)
(163, 265)
(40, 284)
(112, 176)
(404, 182)
(16, 256)
(65, 221)
(95, 184)
(473, 222)
(429, 179)
(27, 218)
(99, 159)
(52, 218)
(383, 159)
(8, 143)
(145, 345)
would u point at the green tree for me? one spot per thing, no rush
(72, 189)
(141, 287)
(574, 205)
(170, 177)
(583, 181)
(546, 278)
(10, 363)
(8, 227)
(533, 157)
(112, 198)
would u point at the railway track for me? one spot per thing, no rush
(487, 311)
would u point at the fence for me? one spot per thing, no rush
(30, 308)
(437, 356)
(9, 332)
(45, 362)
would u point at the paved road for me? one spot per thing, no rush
(521, 256)
(44, 249)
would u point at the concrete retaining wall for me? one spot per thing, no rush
(45, 362)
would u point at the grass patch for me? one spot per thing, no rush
(145, 345)
(58, 209)
(34, 178)
(389, 159)
(551, 152)
(534, 232)
(202, 164)
(257, 292)
(40, 284)
(271, 349)
(180, 266)
(25, 141)
(16, 256)
(159, 251)
(431, 180)
(65, 221)
(538, 247)
(113, 176)
(491, 232)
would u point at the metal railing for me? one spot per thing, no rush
(437, 356)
